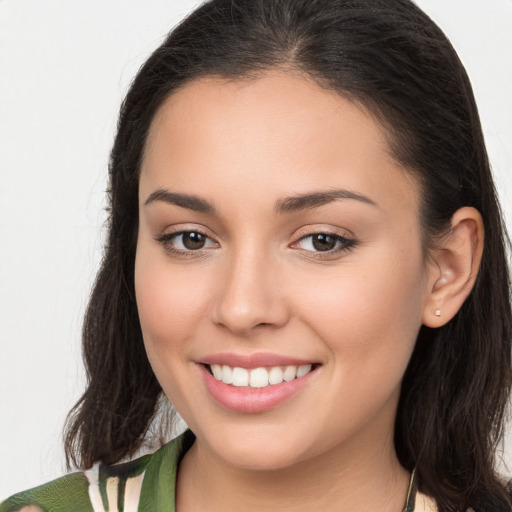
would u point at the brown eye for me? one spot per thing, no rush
(184, 242)
(192, 240)
(323, 242)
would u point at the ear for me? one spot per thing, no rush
(454, 266)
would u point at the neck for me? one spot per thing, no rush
(361, 477)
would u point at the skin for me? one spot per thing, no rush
(258, 285)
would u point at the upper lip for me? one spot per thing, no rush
(254, 360)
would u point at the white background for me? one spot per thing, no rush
(64, 67)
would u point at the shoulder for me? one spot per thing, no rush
(57, 495)
(127, 485)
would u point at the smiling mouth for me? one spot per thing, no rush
(261, 377)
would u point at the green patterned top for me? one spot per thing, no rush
(145, 484)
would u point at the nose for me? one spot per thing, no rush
(250, 295)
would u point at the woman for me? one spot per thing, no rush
(299, 196)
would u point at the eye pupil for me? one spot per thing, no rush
(193, 240)
(322, 242)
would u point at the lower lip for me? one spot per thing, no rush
(253, 400)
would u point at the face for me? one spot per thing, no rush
(279, 274)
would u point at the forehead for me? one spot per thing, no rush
(279, 132)
(277, 106)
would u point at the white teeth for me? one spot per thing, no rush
(240, 377)
(290, 373)
(258, 377)
(303, 370)
(275, 375)
(227, 375)
(217, 371)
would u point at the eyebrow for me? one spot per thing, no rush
(188, 201)
(315, 199)
(299, 202)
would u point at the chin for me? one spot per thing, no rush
(261, 447)
(260, 459)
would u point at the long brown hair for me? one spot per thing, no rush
(389, 56)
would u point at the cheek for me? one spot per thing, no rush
(368, 322)
(367, 313)
(171, 311)
(169, 302)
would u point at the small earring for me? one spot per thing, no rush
(438, 312)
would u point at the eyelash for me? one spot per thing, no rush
(343, 244)
(166, 240)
